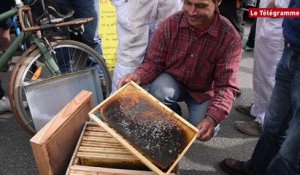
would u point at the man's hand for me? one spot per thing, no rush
(130, 77)
(206, 129)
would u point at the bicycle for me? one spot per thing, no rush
(41, 60)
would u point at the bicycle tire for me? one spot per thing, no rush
(20, 76)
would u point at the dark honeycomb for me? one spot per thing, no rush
(149, 128)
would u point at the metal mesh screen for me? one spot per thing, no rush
(48, 97)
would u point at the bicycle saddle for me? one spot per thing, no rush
(48, 11)
(60, 13)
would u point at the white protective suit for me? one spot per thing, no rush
(136, 22)
(269, 44)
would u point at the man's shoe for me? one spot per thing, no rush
(4, 105)
(252, 128)
(245, 109)
(233, 167)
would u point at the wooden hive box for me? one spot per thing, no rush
(69, 144)
(98, 153)
(152, 132)
(54, 144)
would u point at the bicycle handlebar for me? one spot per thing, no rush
(27, 9)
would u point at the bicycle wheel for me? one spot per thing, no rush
(71, 56)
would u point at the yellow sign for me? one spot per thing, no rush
(108, 32)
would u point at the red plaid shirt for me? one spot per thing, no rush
(206, 64)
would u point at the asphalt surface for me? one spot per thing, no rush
(202, 158)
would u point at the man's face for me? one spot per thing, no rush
(199, 12)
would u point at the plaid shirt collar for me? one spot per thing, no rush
(212, 29)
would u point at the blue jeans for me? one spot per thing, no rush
(278, 149)
(90, 37)
(169, 91)
(84, 9)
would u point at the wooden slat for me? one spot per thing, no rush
(97, 134)
(99, 139)
(104, 150)
(85, 170)
(101, 144)
(103, 156)
(95, 128)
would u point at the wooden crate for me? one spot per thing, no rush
(97, 152)
(152, 132)
(54, 144)
(68, 144)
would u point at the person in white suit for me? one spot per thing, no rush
(136, 22)
(269, 44)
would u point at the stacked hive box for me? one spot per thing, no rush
(68, 144)
(98, 152)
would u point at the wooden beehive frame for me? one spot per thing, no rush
(96, 144)
(89, 132)
(127, 145)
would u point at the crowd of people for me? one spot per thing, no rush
(269, 44)
(190, 50)
(278, 148)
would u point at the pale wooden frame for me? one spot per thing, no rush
(127, 145)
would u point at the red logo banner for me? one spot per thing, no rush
(274, 13)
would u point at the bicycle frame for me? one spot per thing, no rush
(44, 47)
(17, 31)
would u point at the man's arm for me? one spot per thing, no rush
(225, 88)
(226, 82)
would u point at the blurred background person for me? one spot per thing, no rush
(277, 151)
(85, 9)
(249, 45)
(136, 22)
(269, 44)
(233, 11)
(5, 26)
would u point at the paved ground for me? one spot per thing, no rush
(202, 158)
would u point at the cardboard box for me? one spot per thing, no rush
(152, 132)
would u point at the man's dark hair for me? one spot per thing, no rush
(214, 1)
